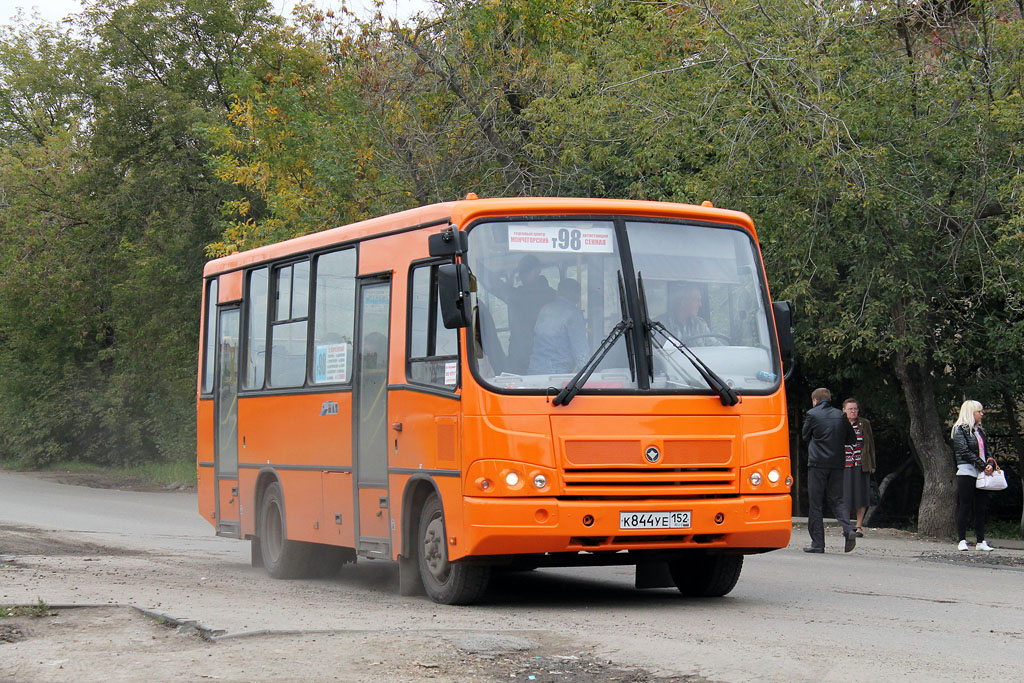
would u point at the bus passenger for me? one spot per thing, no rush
(560, 334)
(524, 303)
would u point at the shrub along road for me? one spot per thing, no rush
(896, 605)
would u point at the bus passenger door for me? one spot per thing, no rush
(226, 408)
(369, 415)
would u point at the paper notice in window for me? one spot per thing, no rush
(551, 238)
(331, 363)
(451, 373)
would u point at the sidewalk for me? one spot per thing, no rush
(1011, 543)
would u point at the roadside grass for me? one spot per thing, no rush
(40, 609)
(994, 528)
(169, 474)
(1001, 528)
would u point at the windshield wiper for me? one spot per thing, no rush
(580, 378)
(725, 393)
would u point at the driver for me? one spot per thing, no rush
(684, 322)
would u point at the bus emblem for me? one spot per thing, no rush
(652, 454)
(329, 408)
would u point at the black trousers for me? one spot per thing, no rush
(969, 498)
(825, 485)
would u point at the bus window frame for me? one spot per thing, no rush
(431, 263)
(632, 304)
(314, 258)
(272, 321)
(272, 265)
(247, 274)
(209, 311)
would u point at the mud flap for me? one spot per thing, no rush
(653, 575)
(256, 552)
(409, 582)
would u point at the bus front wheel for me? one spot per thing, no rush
(282, 558)
(706, 576)
(445, 582)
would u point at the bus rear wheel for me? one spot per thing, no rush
(706, 576)
(445, 582)
(282, 558)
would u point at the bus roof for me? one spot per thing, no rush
(464, 211)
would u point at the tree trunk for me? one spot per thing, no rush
(1018, 442)
(927, 433)
(869, 515)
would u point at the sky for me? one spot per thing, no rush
(55, 10)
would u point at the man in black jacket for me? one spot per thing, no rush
(828, 431)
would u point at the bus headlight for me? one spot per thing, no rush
(773, 476)
(755, 478)
(505, 478)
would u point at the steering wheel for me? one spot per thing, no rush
(721, 337)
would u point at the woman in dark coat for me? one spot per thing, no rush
(971, 459)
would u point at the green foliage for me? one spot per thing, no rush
(38, 610)
(878, 146)
(295, 141)
(108, 206)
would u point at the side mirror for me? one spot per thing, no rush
(447, 243)
(783, 312)
(453, 286)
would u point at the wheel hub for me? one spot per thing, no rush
(435, 554)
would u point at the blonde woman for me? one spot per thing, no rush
(971, 458)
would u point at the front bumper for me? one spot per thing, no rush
(515, 526)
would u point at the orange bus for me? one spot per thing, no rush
(493, 384)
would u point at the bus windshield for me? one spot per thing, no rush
(546, 293)
(703, 285)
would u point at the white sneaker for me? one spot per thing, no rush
(984, 546)
(963, 546)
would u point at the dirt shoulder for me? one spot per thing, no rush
(124, 642)
(108, 480)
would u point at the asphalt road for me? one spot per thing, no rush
(898, 607)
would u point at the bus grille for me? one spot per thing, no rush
(648, 482)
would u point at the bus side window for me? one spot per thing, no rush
(433, 349)
(288, 329)
(210, 347)
(256, 299)
(334, 306)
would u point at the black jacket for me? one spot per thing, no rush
(965, 446)
(828, 431)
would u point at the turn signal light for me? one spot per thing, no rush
(755, 478)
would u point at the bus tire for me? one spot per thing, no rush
(447, 583)
(706, 576)
(283, 559)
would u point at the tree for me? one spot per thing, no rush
(296, 140)
(871, 152)
(109, 206)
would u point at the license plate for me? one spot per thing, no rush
(655, 520)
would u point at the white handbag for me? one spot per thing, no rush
(992, 482)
